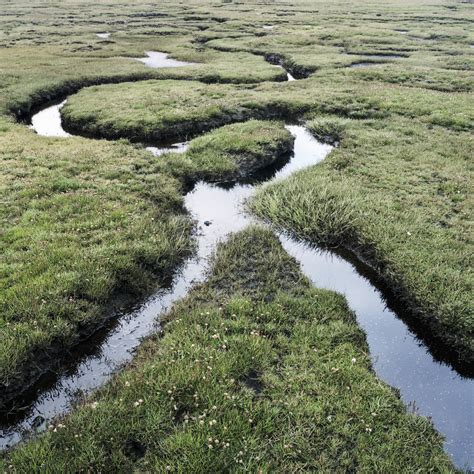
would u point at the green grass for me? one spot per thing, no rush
(256, 371)
(154, 110)
(83, 220)
(232, 151)
(396, 194)
(78, 232)
(403, 167)
(40, 73)
(75, 232)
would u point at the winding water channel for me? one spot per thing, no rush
(426, 386)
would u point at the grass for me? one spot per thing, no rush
(75, 232)
(84, 220)
(158, 110)
(233, 151)
(395, 194)
(256, 371)
(79, 234)
(405, 159)
(154, 110)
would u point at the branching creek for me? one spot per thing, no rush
(426, 386)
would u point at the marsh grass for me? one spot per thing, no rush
(81, 233)
(406, 211)
(233, 151)
(76, 232)
(82, 219)
(256, 370)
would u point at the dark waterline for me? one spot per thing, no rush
(433, 389)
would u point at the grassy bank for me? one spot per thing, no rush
(405, 210)
(171, 109)
(156, 110)
(256, 371)
(79, 234)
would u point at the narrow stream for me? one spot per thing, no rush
(428, 387)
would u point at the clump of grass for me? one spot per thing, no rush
(326, 214)
(256, 371)
(328, 129)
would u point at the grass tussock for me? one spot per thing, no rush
(328, 129)
(326, 215)
(233, 151)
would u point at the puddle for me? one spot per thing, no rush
(362, 64)
(175, 147)
(431, 388)
(156, 59)
(289, 77)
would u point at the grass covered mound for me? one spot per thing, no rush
(79, 233)
(155, 110)
(233, 151)
(256, 371)
(396, 194)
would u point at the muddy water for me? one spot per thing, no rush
(426, 386)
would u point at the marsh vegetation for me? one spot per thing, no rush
(256, 369)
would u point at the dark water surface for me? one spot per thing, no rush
(430, 388)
